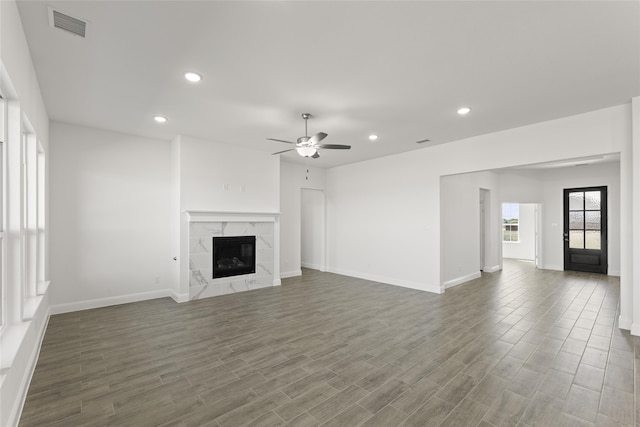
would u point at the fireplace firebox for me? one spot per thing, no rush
(234, 256)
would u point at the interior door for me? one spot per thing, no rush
(585, 229)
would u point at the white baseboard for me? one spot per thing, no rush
(16, 411)
(105, 302)
(179, 298)
(635, 329)
(292, 273)
(312, 266)
(623, 323)
(388, 280)
(615, 273)
(277, 282)
(492, 269)
(460, 280)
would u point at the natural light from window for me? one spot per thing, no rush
(510, 222)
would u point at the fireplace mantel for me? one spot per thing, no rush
(196, 268)
(230, 216)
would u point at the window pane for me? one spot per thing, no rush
(509, 234)
(593, 239)
(576, 201)
(510, 214)
(592, 200)
(576, 220)
(576, 239)
(592, 220)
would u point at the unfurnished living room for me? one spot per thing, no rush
(306, 213)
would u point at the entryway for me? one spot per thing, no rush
(312, 229)
(585, 229)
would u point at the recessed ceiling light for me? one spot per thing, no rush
(464, 110)
(192, 77)
(373, 137)
(160, 119)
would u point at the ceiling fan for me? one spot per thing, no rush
(307, 146)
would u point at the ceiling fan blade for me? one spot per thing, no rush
(280, 140)
(334, 146)
(283, 151)
(315, 156)
(317, 138)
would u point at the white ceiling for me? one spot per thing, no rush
(397, 69)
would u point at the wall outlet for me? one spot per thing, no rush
(460, 268)
(157, 279)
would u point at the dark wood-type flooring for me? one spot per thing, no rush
(520, 347)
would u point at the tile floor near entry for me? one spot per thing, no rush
(518, 347)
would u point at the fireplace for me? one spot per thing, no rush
(234, 256)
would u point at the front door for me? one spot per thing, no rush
(585, 229)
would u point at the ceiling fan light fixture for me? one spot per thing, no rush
(306, 150)
(160, 119)
(464, 111)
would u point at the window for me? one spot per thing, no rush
(510, 222)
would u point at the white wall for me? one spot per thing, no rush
(460, 226)
(383, 215)
(293, 178)
(312, 229)
(110, 217)
(221, 177)
(525, 247)
(520, 187)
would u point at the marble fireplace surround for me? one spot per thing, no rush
(204, 225)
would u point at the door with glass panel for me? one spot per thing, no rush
(585, 229)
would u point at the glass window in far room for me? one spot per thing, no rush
(510, 220)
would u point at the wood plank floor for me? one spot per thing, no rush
(520, 347)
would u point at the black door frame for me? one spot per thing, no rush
(603, 266)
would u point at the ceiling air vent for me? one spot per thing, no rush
(67, 23)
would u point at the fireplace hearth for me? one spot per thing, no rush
(234, 256)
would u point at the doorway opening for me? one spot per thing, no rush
(485, 226)
(520, 232)
(312, 229)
